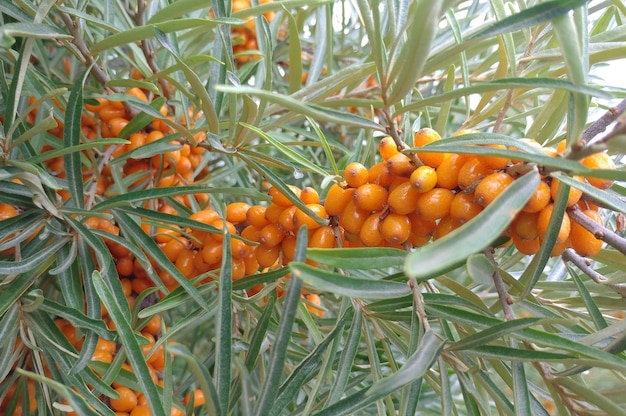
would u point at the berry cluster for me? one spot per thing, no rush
(244, 37)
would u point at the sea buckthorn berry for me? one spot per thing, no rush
(355, 174)
(286, 218)
(380, 175)
(583, 241)
(198, 397)
(272, 213)
(309, 195)
(267, 256)
(212, 252)
(599, 161)
(435, 203)
(323, 237)
(463, 207)
(251, 263)
(236, 212)
(314, 299)
(143, 410)
(256, 216)
(423, 179)
(127, 400)
(301, 218)
(528, 247)
(219, 224)
(491, 186)
(352, 218)
(525, 225)
(288, 248)
(448, 170)
(423, 137)
(472, 171)
(494, 162)
(445, 226)
(395, 228)
(116, 125)
(337, 198)
(370, 234)
(239, 248)
(271, 235)
(280, 199)
(403, 199)
(574, 193)
(400, 165)
(544, 218)
(252, 233)
(539, 199)
(420, 226)
(184, 263)
(370, 197)
(387, 147)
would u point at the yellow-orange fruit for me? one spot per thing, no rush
(300, 218)
(370, 234)
(463, 207)
(395, 228)
(525, 225)
(420, 226)
(403, 199)
(423, 137)
(314, 299)
(286, 218)
(435, 203)
(539, 199)
(472, 171)
(544, 218)
(491, 186)
(309, 195)
(574, 193)
(387, 147)
(272, 212)
(380, 175)
(256, 216)
(236, 212)
(528, 247)
(355, 174)
(323, 237)
(352, 218)
(266, 256)
(423, 179)
(599, 161)
(494, 162)
(400, 165)
(271, 235)
(280, 199)
(337, 198)
(448, 170)
(583, 241)
(370, 197)
(445, 226)
(127, 400)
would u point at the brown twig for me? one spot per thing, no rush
(396, 134)
(503, 295)
(584, 265)
(599, 231)
(419, 304)
(600, 125)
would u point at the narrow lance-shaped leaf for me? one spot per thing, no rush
(451, 250)
(224, 326)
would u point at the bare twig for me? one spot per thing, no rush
(600, 125)
(503, 295)
(419, 304)
(583, 264)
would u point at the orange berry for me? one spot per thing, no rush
(106, 345)
(539, 199)
(236, 212)
(463, 207)
(387, 147)
(525, 225)
(435, 203)
(198, 398)
(380, 175)
(528, 247)
(143, 410)
(252, 233)
(423, 179)
(491, 186)
(494, 162)
(288, 247)
(173, 248)
(184, 263)
(286, 218)
(271, 235)
(212, 252)
(137, 93)
(370, 197)
(420, 226)
(352, 218)
(423, 137)
(337, 198)
(256, 216)
(400, 165)
(124, 266)
(103, 356)
(583, 241)
(472, 171)
(448, 170)
(116, 125)
(403, 199)
(272, 212)
(599, 161)
(314, 299)
(266, 256)
(127, 400)
(395, 228)
(219, 224)
(154, 325)
(280, 199)
(445, 226)
(300, 218)
(109, 112)
(574, 193)
(544, 218)
(323, 237)
(355, 174)
(309, 195)
(370, 234)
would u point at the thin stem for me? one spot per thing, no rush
(419, 304)
(601, 124)
(396, 134)
(503, 294)
(584, 265)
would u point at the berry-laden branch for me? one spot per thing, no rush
(598, 230)
(584, 265)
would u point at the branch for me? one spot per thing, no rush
(503, 294)
(419, 304)
(599, 231)
(600, 125)
(583, 264)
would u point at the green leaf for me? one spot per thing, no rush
(451, 250)
(533, 16)
(348, 354)
(360, 258)
(223, 354)
(131, 345)
(30, 263)
(31, 30)
(342, 285)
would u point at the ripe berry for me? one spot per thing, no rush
(445, 226)
(528, 247)
(423, 137)
(271, 235)
(423, 179)
(280, 199)
(583, 241)
(337, 198)
(395, 228)
(352, 218)
(435, 203)
(403, 199)
(236, 212)
(387, 147)
(127, 400)
(539, 199)
(256, 216)
(272, 212)
(494, 162)
(323, 237)
(400, 165)
(472, 171)
(543, 220)
(370, 234)
(266, 256)
(448, 170)
(599, 161)
(355, 174)
(491, 186)
(574, 193)
(463, 207)
(300, 218)
(370, 197)
(286, 218)
(525, 225)
(380, 174)
(309, 195)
